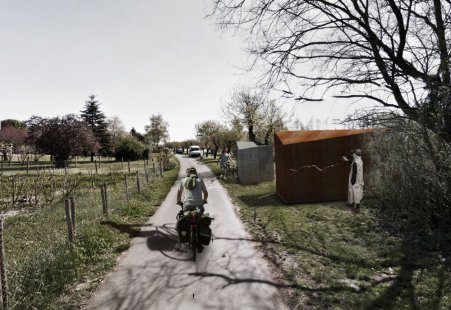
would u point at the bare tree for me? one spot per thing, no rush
(116, 130)
(157, 131)
(395, 53)
(256, 113)
(273, 119)
(205, 130)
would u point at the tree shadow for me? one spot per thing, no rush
(417, 256)
(261, 200)
(132, 230)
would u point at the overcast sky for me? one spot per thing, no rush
(139, 57)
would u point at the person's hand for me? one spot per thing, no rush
(179, 203)
(205, 201)
(345, 158)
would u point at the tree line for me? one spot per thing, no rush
(89, 133)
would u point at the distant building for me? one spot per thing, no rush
(309, 166)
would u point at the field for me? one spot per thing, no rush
(327, 257)
(44, 269)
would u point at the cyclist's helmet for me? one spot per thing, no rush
(191, 171)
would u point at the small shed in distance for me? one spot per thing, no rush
(309, 166)
(255, 163)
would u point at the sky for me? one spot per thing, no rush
(140, 58)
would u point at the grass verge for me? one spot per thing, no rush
(44, 272)
(327, 257)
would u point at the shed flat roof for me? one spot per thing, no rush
(245, 145)
(300, 136)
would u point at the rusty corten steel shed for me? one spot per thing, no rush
(255, 163)
(309, 166)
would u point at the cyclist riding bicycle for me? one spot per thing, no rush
(190, 192)
(224, 161)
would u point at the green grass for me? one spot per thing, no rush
(44, 272)
(332, 258)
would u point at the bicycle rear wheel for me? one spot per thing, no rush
(194, 243)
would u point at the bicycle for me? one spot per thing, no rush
(231, 170)
(194, 232)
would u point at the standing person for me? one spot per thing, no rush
(223, 160)
(355, 180)
(190, 192)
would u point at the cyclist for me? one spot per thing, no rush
(223, 161)
(190, 192)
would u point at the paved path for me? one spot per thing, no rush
(156, 274)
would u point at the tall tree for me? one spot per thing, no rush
(393, 53)
(61, 137)
(138, 136)
(96, 120)
(116, 131)
(11, 138)
(245, 107)
(205, 130)
(260, 116)
(157, 131)
(12, 123)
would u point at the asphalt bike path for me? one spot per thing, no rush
(158, 273)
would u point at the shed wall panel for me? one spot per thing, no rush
(298, 178)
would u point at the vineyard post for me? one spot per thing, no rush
(13, 180)
(147, 175)
(102, 192)
(126, 186)
(105, 192)
(138, 181)
(72, 213)
(70, 232)
(4, 282)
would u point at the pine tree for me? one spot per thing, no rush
(96, 120)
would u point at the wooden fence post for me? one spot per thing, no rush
(147, 175)
(70, 232)
(4, 282)
(72, 213)
(129, 166)
(97, 169)
(105, 199)
(126, 187)
(28, 166)
(161, 167)
(138, 181)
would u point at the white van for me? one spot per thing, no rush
(194, 150)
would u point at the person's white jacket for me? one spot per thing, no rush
(355, 192)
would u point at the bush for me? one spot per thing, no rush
(412, 178)
(130, 149)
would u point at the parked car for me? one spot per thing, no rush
(179, 150)
(194, 150)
